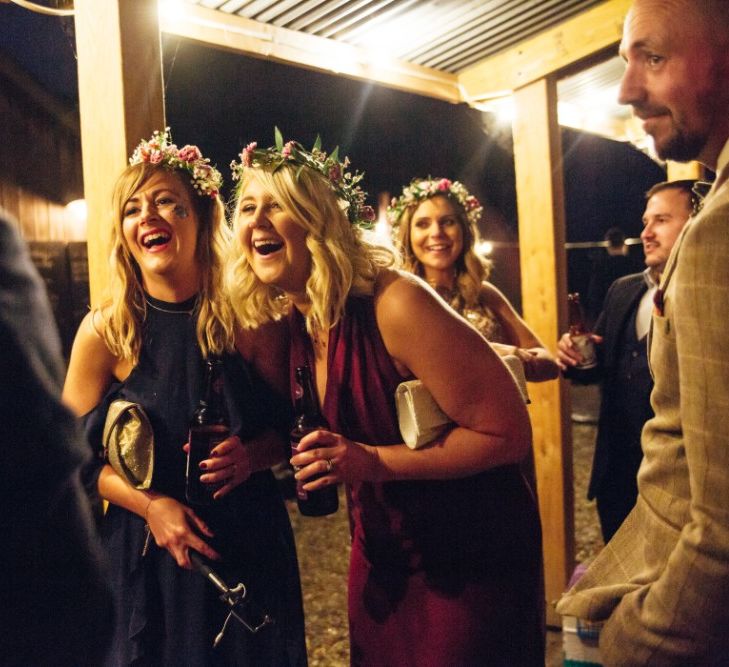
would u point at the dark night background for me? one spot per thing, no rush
(221, 101)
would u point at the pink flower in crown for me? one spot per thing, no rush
(335, 173)
(286, 150)
(202, 171)
(189, 153)
(444, 185)
(155, 157)
(367, 213)
(246, 157)
(472, 202)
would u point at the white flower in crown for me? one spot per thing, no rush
(344, 184)
(421, 189)
(205, 178)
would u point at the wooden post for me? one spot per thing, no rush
(540, 201)
(120, 100)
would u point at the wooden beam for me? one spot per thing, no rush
(120, 99)
(540, 203)
(545, 54)
(261, 40)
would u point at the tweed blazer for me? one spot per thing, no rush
(662, 583)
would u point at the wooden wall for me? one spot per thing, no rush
(40, 152)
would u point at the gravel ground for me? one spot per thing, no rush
(323, 550)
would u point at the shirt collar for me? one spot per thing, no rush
(650, 278)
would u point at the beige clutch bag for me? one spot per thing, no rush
(129, 443)
(514, 364)
(420, 418)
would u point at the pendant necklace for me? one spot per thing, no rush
(181, 311)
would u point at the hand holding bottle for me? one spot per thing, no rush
(350, 461)
(228, 465)
(580, 336)
(568, 355)
(323, 498)
(208, 429)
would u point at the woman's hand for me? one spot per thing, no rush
(228, 466)
(335, 458)
(177, 528)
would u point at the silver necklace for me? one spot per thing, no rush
(167, 310)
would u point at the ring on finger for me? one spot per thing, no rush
(330, 465)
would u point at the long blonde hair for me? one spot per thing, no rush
(471, 269)
(341, 262)
(124, 312)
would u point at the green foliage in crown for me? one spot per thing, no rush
(344, 183)
(420, 189)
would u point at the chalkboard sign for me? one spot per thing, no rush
(64, 269)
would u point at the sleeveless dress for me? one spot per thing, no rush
(480, 315)
(442, 572)
(167, 615)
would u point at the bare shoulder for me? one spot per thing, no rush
(90, 335)
(397, 291)
(92, 366)
(492, 296)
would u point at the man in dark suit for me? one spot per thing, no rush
(53, 581)
(620, 332)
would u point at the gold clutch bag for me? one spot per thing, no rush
(129, 443)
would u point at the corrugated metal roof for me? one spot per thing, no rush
(447, 35)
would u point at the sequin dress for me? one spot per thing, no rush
(480, 315)
(442, 572)
(167, 615)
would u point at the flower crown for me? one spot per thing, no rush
(205, 178)
(420, 189)
(343, 183)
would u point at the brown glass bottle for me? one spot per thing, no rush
(208, 427)
(579, 333)
(309, 418)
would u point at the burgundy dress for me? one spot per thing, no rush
(443, 572)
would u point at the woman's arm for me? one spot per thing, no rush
(92, 368)
(465, 376)
(539, 362)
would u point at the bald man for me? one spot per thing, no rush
(661, 585)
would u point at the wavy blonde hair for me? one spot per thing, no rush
(124, 312)
(341, 262)
(471, 269)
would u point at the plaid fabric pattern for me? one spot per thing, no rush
(662, 583)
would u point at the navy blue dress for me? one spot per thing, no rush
(168, 615)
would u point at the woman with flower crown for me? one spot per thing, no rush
(148, 344)
(435, 222)
(445, 562)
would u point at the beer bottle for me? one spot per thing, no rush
(579, 333)
(309, 418)
(208, 427)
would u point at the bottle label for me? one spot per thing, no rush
(586, 347)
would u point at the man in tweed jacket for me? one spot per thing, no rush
(662, 583)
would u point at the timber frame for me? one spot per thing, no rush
(118, 39)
